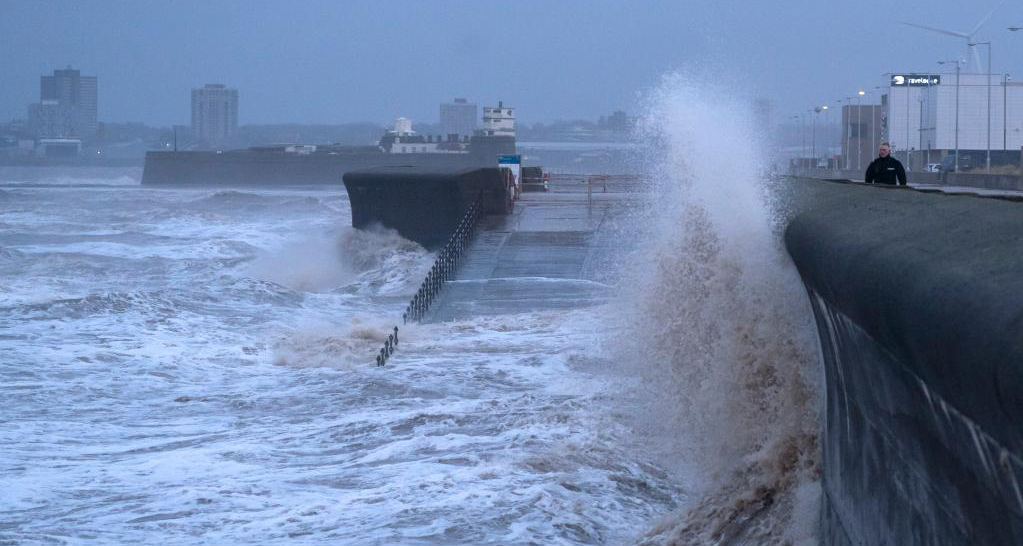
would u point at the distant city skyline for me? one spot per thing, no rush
(357, 61)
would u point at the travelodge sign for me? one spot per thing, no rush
(915, 80)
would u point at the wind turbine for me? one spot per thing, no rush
(969, 37)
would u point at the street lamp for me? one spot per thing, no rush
(875, 133)
(988, 44)
(845, 133)
(957, 106)
(813, 135)
(859, 129)
(827, 124)
(841, 138)
(802, 126)
(1005, 111)
(848, 143)
(817, 110)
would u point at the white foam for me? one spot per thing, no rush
(196, 391)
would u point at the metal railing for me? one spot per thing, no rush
(443, 269)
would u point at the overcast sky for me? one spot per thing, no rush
(344, 60)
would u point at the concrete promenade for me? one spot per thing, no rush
(557, 250)
(975, 180)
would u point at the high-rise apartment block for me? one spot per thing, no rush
(458, 117)
(214, 114)
(66, 107)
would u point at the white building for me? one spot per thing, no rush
(403, 126)
(920, 112)
(214, 114)
(403, 140)
(499, 121)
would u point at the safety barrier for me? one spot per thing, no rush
(443, 269)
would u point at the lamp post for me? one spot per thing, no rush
(802, 125)
(813, 134)
(1005, 111)
(827, 123)
(1005, 88)
(841, 141)
(957, 109)
(859, 129)
(846, 130)
(875, 133)
(988, 44)
(793, 119)
(802, 138)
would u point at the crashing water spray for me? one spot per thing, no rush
(719, 333)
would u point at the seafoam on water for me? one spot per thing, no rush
(194, 366)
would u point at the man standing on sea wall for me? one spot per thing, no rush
(885, 169)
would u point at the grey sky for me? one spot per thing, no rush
(342, 61)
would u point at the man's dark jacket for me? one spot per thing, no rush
(885, 170)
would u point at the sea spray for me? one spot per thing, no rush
(718, 331)
(375, 261)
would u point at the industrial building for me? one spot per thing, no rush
(922, 118)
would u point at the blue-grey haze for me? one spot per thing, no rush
(319, 61)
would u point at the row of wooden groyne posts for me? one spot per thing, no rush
(443, 269)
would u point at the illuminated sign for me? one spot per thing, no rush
(915, 80)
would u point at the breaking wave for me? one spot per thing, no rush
(253, 203)
(347, 346)
(371, 262)
(720, 320)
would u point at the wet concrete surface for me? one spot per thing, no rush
(557, 250)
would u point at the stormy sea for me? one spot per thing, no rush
(194, 365)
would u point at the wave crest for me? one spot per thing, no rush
(720, 320)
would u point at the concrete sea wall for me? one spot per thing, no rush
(248, 168)
(918, 300)
(424, 204)
(1010, 182)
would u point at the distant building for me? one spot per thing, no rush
(458, 117)
(861, 134)
(499, 121)
(214, 114)
(917, 115)
(67, 105)
(51, 119)
(59, 148)
(403, 126)
(403, 140)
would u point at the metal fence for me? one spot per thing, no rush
(443, 269)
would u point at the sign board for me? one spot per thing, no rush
(513, 162)
(915, 80)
